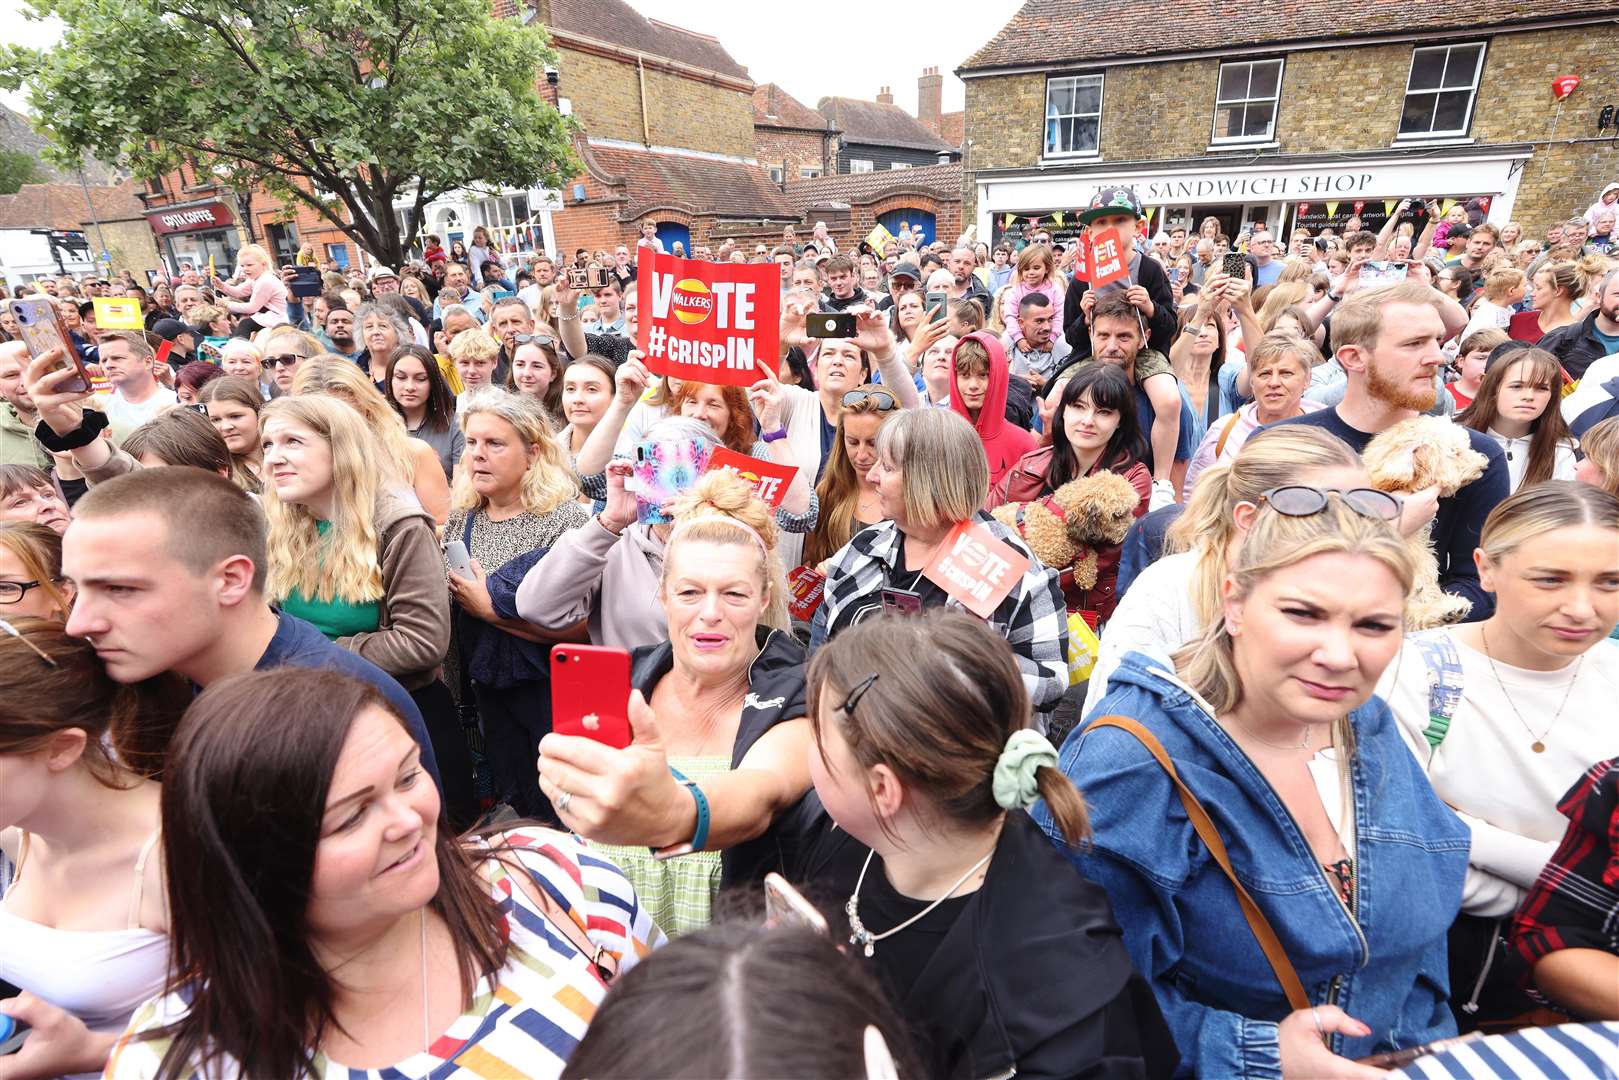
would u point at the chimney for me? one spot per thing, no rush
(929, 95)
(885, 96)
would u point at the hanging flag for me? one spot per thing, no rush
(1304, 208)
(1035, 220)
(1484, 204)
(1057, 217)
(1446, 207)
(1150, 211)
(1389, 205)
(1006, 222)
(1332, 209)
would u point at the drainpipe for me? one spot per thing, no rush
(640, 73)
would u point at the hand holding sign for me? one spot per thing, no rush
(1110, 259)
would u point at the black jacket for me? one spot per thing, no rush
(775, 694)
(1161, 328)
(1576, 345)
(1033, 976)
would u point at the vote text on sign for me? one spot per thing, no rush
(769, 480)
(708, 322)
(976, 567)
(1110, 259)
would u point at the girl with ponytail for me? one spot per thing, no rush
(926, 760)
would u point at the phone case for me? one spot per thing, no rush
(590, 693)
(39, 324)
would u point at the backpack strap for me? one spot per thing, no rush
(1444, 666)
(1268, 941)
(1225, 433)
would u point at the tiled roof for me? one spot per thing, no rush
(1056, 31)
(858, 189)
(616, 22)
(872, 123)
(698, 185)
(61, 206)
(775, 107)
(953, 127)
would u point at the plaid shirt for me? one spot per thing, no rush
(1575, 901)
(1033, 618)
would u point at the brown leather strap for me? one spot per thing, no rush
(1268, 941)
(1225, 433)
(605, 963)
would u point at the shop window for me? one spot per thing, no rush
(1245, 103)
(1440, 90)
(859, 165)
(1073, 115)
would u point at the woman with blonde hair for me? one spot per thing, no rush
(1505, 714)
(404, 463)
(233, 406)
(359, 559)
(31, 581)
(1599, 464)
(1554, 287)
(1331, 832)
(513, 499)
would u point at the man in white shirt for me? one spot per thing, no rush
(126, 359)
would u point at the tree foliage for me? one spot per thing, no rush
(344, 105)
(17, 167)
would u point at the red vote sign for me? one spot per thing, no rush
(769, 480)
(1082, 258)
(976, 568)
(707, 322)
(1110, 258)
(1564, 85)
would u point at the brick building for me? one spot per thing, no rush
(49, 229)
(791, 140)
(1232, 111)
(876, 135)
(851, 203)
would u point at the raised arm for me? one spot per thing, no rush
(630, 383)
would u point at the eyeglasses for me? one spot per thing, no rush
(288, 360)
(544, 341)
(857, 692)
(7, 628)
(1299, 500)
(12, 592)
(882, 398)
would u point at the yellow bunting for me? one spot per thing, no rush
(1332, 209)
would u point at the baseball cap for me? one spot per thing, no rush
(170, 329)
(380, 272)
(1111, 200)
(906, 270)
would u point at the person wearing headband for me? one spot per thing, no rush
(1297, 785)
(710, 791)
(999, 955)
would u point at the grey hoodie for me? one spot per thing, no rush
(611, 579)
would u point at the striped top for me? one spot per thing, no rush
(522, 1028)
(1566, 1052)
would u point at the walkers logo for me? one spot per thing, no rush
(692, 301)
(708, 322)
(769, 479)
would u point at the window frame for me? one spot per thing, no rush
(1049, 154)
(862, 165)
(809, 172)
(1215, 138)
(1472, 97)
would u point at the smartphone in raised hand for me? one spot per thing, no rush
(40, 325)
(590, 693)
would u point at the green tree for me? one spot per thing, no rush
(344, 105)
(16, 169)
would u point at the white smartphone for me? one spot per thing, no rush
(455, 553)
(786, 906)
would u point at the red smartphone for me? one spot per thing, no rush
(39, 323)
(590, 693)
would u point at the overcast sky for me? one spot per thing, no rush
(842, 48)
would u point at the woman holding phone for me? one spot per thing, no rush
(709, 792)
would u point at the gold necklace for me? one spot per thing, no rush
(1539, 745)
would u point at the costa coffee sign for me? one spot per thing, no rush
(190, 219)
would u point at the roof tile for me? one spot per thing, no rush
(775, 107)
(616, 22)
(873, 123)
(699, 185)
(61, 206)
(940, 181)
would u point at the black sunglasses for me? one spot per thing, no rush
(282, 361)
(883, 399)
(1300, 500)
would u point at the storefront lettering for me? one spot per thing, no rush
(187, 217)
(1240, 187)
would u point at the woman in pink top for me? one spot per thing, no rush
(260, 298)
(1036, 273)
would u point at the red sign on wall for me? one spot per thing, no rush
(708, 322)
(212, 215)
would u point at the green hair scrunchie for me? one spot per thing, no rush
(1014, 783)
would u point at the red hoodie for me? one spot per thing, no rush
(1004, 442)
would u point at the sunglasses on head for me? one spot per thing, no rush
(544, 341)
(1301, 500)
(881, 398)
(285, 360)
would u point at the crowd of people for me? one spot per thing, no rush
(1200, 790)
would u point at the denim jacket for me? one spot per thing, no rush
(1385, 966)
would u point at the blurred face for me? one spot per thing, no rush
(384, 285)
(41, 505)
(714, 595)
(375, 861)
(531, 371)
(607, 303)
(380, 334)
(1605, 221)
(1522, 398)
(340, 328)
(1471, 366)
(496, 456)
(1308, 647)
(909, 310)
(509, 320)
(1037, 271)
(282, 355)
(410, 386)
(936, 361)
(708, 404)
(1557, 594)
(237, 424)
(545, 272)
(12, 359)
(961, 263)
(457, 324)
(841, 782)
(586, 394)
(252, 264)
(298, 462)
(8, 322)
(1544, 292)
(1089, 426)
(806, 278)
(70, 314)
(837, 366)
(1278, 384)
(1479, 245)
(841, 282)
(120, 365)
(860, 440)
(1587, 471)
(1511, 233)
(34, 603)
(457, 276)
(1400, 369)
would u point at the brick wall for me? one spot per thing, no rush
(684, 112)
(130, 243)
(792, 149)
(946, 215)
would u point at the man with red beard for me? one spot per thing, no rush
(1387, 341)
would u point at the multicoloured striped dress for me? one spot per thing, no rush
(526, 1025)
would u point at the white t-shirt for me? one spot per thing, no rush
(1485, 767)
(1517, 452)
(1156, 617)
(124, 416)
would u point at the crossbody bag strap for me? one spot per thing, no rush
(605, 963)
(1268, 941)
(1225, 433)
